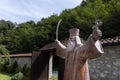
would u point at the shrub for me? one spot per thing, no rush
(18, 70)
(25, 70)
(53, 78)
(14, 66)
(4, 58)
(1, 67)
(18, 76)
(4, 63)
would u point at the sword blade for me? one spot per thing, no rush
(58, 28)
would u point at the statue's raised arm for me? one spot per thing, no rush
(93, 46)
(96, 34)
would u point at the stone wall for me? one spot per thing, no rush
(106, 67)
(22, 61)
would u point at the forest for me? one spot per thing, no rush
(28, 36)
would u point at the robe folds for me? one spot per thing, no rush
(76, 60)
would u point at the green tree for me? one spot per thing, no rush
(4, 53)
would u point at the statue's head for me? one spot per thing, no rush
(74, 32)
(73, 39)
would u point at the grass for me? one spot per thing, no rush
(5, 76)
(53, 78)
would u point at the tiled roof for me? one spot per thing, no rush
(105, 42)
(111, 41)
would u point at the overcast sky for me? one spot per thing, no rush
(25, 10)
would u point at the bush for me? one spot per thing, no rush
(4, 58)
(18, 76)
(14, 66)
(25, 70)
(18, 70)
(4, 62)
(53, 78)
(1, 67)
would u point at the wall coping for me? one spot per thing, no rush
(20, 55)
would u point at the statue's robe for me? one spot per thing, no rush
(76, 60)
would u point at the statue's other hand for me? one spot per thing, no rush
(97, 34)
(57, 41)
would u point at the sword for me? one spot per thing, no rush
(58, 29)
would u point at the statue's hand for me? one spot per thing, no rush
(96, 31)
(98, 23)
(57, 41)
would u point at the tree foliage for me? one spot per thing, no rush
(29, 35)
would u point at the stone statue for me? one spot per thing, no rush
(76, 54)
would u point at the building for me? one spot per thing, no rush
(106, 67)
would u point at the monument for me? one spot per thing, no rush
(76, 53)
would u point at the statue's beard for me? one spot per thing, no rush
(72, 43)
(70, 46)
